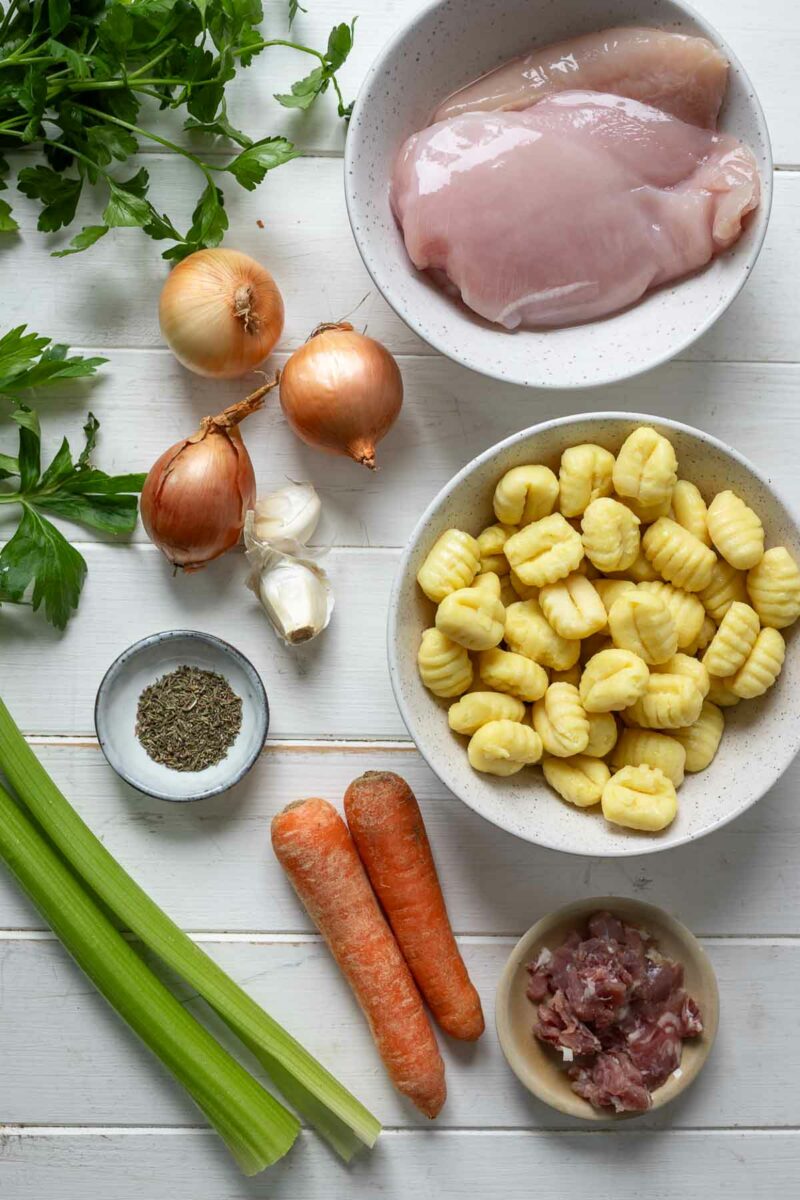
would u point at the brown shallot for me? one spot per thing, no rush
(197, 494)
(342, 391)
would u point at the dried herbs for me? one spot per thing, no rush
(189, 719)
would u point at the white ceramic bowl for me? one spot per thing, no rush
(761, 736)
(142, 664)
(445, 46)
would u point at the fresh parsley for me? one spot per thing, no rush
(74, 73)
(38, 561)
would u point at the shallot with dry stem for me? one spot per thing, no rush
(342, 391)
(197, 494)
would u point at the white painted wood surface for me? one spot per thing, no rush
(84, 1110)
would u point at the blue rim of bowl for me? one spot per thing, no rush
(230, 651)
(632, 418)
(378, 70)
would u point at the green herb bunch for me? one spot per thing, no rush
(74, 74)
(38, 556)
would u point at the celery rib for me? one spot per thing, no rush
(336, 1114)
(255, 1126)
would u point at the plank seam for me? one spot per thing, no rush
(37, 1131)
(303, 937)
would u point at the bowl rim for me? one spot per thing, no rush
(651, 846)
(463, 356)
(228, 651)
(579, 910)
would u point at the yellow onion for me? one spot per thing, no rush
(220, 313)
(342, 391)
(196, 496)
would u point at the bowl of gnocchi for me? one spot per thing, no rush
(591, 635)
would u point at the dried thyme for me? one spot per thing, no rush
(189, 719)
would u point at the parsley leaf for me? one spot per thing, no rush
(28, 360)
(82, 241)
(59, 195)
(305, 91)
(252, 164)
(38, 554)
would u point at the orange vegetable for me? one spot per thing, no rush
(389, 833)
(316, 851)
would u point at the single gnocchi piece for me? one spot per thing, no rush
(444, 667)
(525, 494)
(707, 631)
(610, 535)
(702, 738)
(571, 675)
(545, 551)
(646, 467)
(579, 780)
(735, 530)
(478, 708)
(584, 475)
(646, 747)
(725, 586)
(684, 607)
(529, 632)
(474, 617)
(762, 667)
(668, 702)
(452, 563)
(642, 623)
(561, 721)
(490, 547)
(692, 668)
(689, 510)
(573, 607)
(603, 734)
(774, 588)
(610, 590)
(503, 748)
(514, 674)
(720, 693)
(613, 680)
(678, 555)
(733, 641)
(640, 798)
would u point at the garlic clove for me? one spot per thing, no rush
(289, 515)
(296, 596)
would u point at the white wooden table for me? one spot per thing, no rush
(86, 1112)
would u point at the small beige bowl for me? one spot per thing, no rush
(537, 1066)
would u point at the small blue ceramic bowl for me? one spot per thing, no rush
(142, 664)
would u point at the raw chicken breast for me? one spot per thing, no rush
(569, 210)
(684, 76)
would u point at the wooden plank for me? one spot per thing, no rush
(307, 244)
(130, 1164)
(146, 402)
(67, 1060)
(211, 868)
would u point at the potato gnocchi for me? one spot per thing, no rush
(624, 609)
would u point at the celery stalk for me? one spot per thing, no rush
(310, 1088)
(257, 1129)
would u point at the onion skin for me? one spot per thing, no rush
(197, 494)
(220, 313)
(342, 392)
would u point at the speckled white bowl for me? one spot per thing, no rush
(761, 738)
(445, 46)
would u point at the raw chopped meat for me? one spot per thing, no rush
(683, 76)
(607, 996)
(570, 210)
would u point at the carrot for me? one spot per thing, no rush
(316, 851)
(389, 832)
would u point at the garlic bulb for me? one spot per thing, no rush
(296, 596)
(294, 591)
(289, 515)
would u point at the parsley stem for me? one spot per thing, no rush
(206, 168)
(8, 18)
